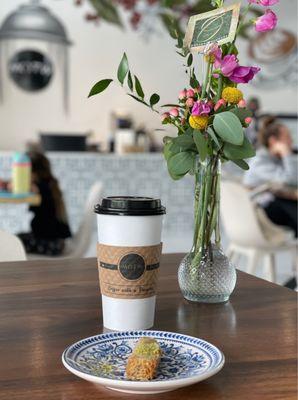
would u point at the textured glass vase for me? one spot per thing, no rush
(211, 281)
(205, 273)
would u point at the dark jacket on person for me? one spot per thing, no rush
(45, 223)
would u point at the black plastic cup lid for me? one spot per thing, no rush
(129, 205)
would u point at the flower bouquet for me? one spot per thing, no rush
(210, 117)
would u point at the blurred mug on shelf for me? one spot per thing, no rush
(21, 173)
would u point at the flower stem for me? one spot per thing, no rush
(207, 77)
(240, 25)
(204, 201)
(206, 208)
(217, 227)
(196, 203)
(219, 89)
(213, 201)
(209, 81)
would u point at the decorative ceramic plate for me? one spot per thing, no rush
(102, 359)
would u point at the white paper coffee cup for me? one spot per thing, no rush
(129, 249)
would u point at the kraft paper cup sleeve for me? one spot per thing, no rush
(128, 272)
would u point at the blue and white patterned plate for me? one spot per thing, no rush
(102, 359)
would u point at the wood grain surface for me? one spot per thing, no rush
(47, 305)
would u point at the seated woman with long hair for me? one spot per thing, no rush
(276, 163)
(49, 226)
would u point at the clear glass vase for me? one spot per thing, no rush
(211, 281)
(205, 273)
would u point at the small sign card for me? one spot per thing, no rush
(218, 26)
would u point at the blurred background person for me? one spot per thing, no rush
(253, 105)
(275, 166)
(49, 226)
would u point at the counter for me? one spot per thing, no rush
(143, 174)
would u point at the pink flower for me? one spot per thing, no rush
(190, 93)
(210, 104)
(212, 49)
(165, 116)
(190, 102)
(266, 22)
(265, 3)
(248, 120)
(200, 108)
(242, 103)
(243, 74)
(219, 103)
(182, 94)
(230, 68)
(174, 112)
(227, 64)
(268, 3)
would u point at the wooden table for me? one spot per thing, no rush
(47, 305)
(33, 199)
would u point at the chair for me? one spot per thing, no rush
(77, 246)
(11, 248)
(250, 232)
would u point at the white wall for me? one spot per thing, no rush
(95, 54)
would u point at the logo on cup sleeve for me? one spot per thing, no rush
(132, 266)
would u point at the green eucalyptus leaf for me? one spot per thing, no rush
(241, 113)
(229, 49)
(138, 99)
(130, 81)
(182, 143)
(167, 155)
(180, 42)
(139, 88)
(100, 87)
(242, 164)
(201, 144)
(166, 139)
(228, 127)
(166, 149)
(171, 3)
(189, 131)
(107, 11)
(175, 177)
(234, 152)
(122, 69)
(171, 105)
(181, 163)
(189, 60)
(154, 99)
(171, 23)
(194, 83)
(186, 51)
(210, 150)
(201, 6)
(256, 11)
(214, 137)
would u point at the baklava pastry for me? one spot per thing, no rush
(142, 364)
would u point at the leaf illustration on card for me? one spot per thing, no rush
(214, 26)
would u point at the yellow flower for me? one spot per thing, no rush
(210, 58)
(232, 95)
(199, 122)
